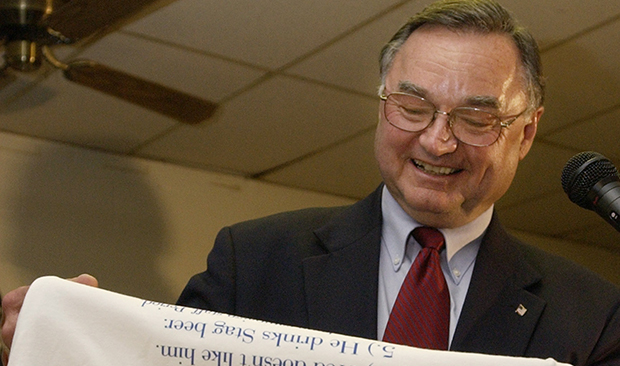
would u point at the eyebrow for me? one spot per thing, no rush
(411, 88)
(480, 101)
(484, 101)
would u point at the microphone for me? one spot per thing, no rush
(591, 181)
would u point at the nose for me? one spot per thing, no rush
(438, 138)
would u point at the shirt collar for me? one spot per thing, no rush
(397, 225)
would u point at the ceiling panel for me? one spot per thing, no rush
(583, 77)
(538, 174)
(190, 72)
(269, 33)
(347, 169)
(352, 62)
(11, 85)
(278, 121)
(599, 234)
(59, 110)
(296, 83)
(553, 21)
(597, 134)
(558, 216)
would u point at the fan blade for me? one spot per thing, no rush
(80, 18)
(172, 103)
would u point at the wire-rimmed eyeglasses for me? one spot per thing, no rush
(471, 126)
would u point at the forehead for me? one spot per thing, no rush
(459, 64)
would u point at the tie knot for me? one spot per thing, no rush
(429, 237)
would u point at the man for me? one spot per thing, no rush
(460, 101)
(461, 98)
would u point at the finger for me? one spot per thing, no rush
(5, 355)
(86, 279)
(11, 305)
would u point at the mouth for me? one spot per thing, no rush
(435, 170)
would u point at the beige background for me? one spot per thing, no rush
(143, 227)
(296, 83)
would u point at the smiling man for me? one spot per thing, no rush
(423, 260)
(447, 168)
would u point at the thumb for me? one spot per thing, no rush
(86, 279)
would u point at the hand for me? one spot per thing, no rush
(12, 304)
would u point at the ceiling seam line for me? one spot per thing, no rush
(581, 33)
(270, 73)
(341, 36)
(196, 51)
(579, 121)
(311, 154)
(530, 199)
(557, 145)
(561, 237)
(330, 86)
(157, 136)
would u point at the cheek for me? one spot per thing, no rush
(391, 147)
(498, 173)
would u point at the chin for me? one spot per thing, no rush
(431, 211)
(432, 201)
(434, 211)
(439, 220)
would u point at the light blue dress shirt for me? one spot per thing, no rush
(457, 261)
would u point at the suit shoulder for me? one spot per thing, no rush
(280, 234)
(308, 218)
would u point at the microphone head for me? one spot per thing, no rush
(582, 172)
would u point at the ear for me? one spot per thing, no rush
(529, 132)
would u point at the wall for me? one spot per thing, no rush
(142, 227)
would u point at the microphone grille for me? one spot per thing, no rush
(582, 172)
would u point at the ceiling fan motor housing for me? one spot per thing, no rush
(29, 28)
(23, 32)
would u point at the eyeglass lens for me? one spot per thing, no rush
(469, 125)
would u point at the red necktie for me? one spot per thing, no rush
(421, 314)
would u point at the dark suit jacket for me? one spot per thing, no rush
(318, 268)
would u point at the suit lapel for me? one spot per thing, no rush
(499, 313)
(341, 286)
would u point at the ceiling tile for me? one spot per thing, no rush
(271, 124)
(553, 214)
(267, 33)
(353, 62)
(551, 20)
(583, 77)
(538, 174)
(13, 85)
(600, 235)
(190, 72)
(348, 169)
(59, 110)
(305, 126)
(601, 134)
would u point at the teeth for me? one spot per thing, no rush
(439, 170)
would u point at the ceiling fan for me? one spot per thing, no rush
(30, 28)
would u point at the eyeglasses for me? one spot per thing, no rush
(471, 126)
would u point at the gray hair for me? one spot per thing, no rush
(484, 16)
